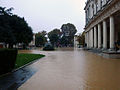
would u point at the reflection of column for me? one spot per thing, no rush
(92, 38)
(104, 35)
(112, 32)
(99, 36)
(95, 37)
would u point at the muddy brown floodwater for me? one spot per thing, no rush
(69, 69)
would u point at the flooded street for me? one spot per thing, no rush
(69, 69)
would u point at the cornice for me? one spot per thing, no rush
(104, 13)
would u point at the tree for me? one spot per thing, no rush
(81, 38)
(21, 30)
(4, 11)
(64, 41)
(54, 36)
(44, 33)
(40, 38)
(7, 36)
(14, 29)
(69, 30)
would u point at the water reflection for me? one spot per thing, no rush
(71, 69)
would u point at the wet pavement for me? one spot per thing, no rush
(13, 80)
(73, 69)
(69, 69)
(16, 78)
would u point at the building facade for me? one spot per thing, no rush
(32, 43)
(76, 43)
(102, 24)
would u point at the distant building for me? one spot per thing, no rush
(32, 43)
(102, 24)
(76, 43)
(2, 45)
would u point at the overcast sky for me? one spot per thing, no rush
(49, 14)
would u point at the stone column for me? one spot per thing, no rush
(90, 38)
(112, 32)
(104, 35)
(92, 44)
(95, 37)
(87, 39)
(99, 36)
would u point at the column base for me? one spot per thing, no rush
(111, 50)
(118, 51)
(100, 48)
(95, 48)
(104, 49)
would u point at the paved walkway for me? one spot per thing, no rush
(74, 70)
(15, 79)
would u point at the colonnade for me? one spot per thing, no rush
(93, 37)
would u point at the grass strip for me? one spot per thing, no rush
(24, 58)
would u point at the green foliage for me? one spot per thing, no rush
(68, 30)
(40, 38)
(48, 47)
(23, 58)
(4, 11)
(54, 36)
(7, 60)
(6, 35)
(14, 29)
(81, 38)
(64, 41)
(21, 30)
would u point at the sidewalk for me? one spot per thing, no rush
(13, 80)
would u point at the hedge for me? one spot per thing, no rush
(48, 48)
(7, 60)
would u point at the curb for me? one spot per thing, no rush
(20, 67)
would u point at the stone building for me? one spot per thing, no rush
(32, 43)
(102, 24)
(76, 43)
